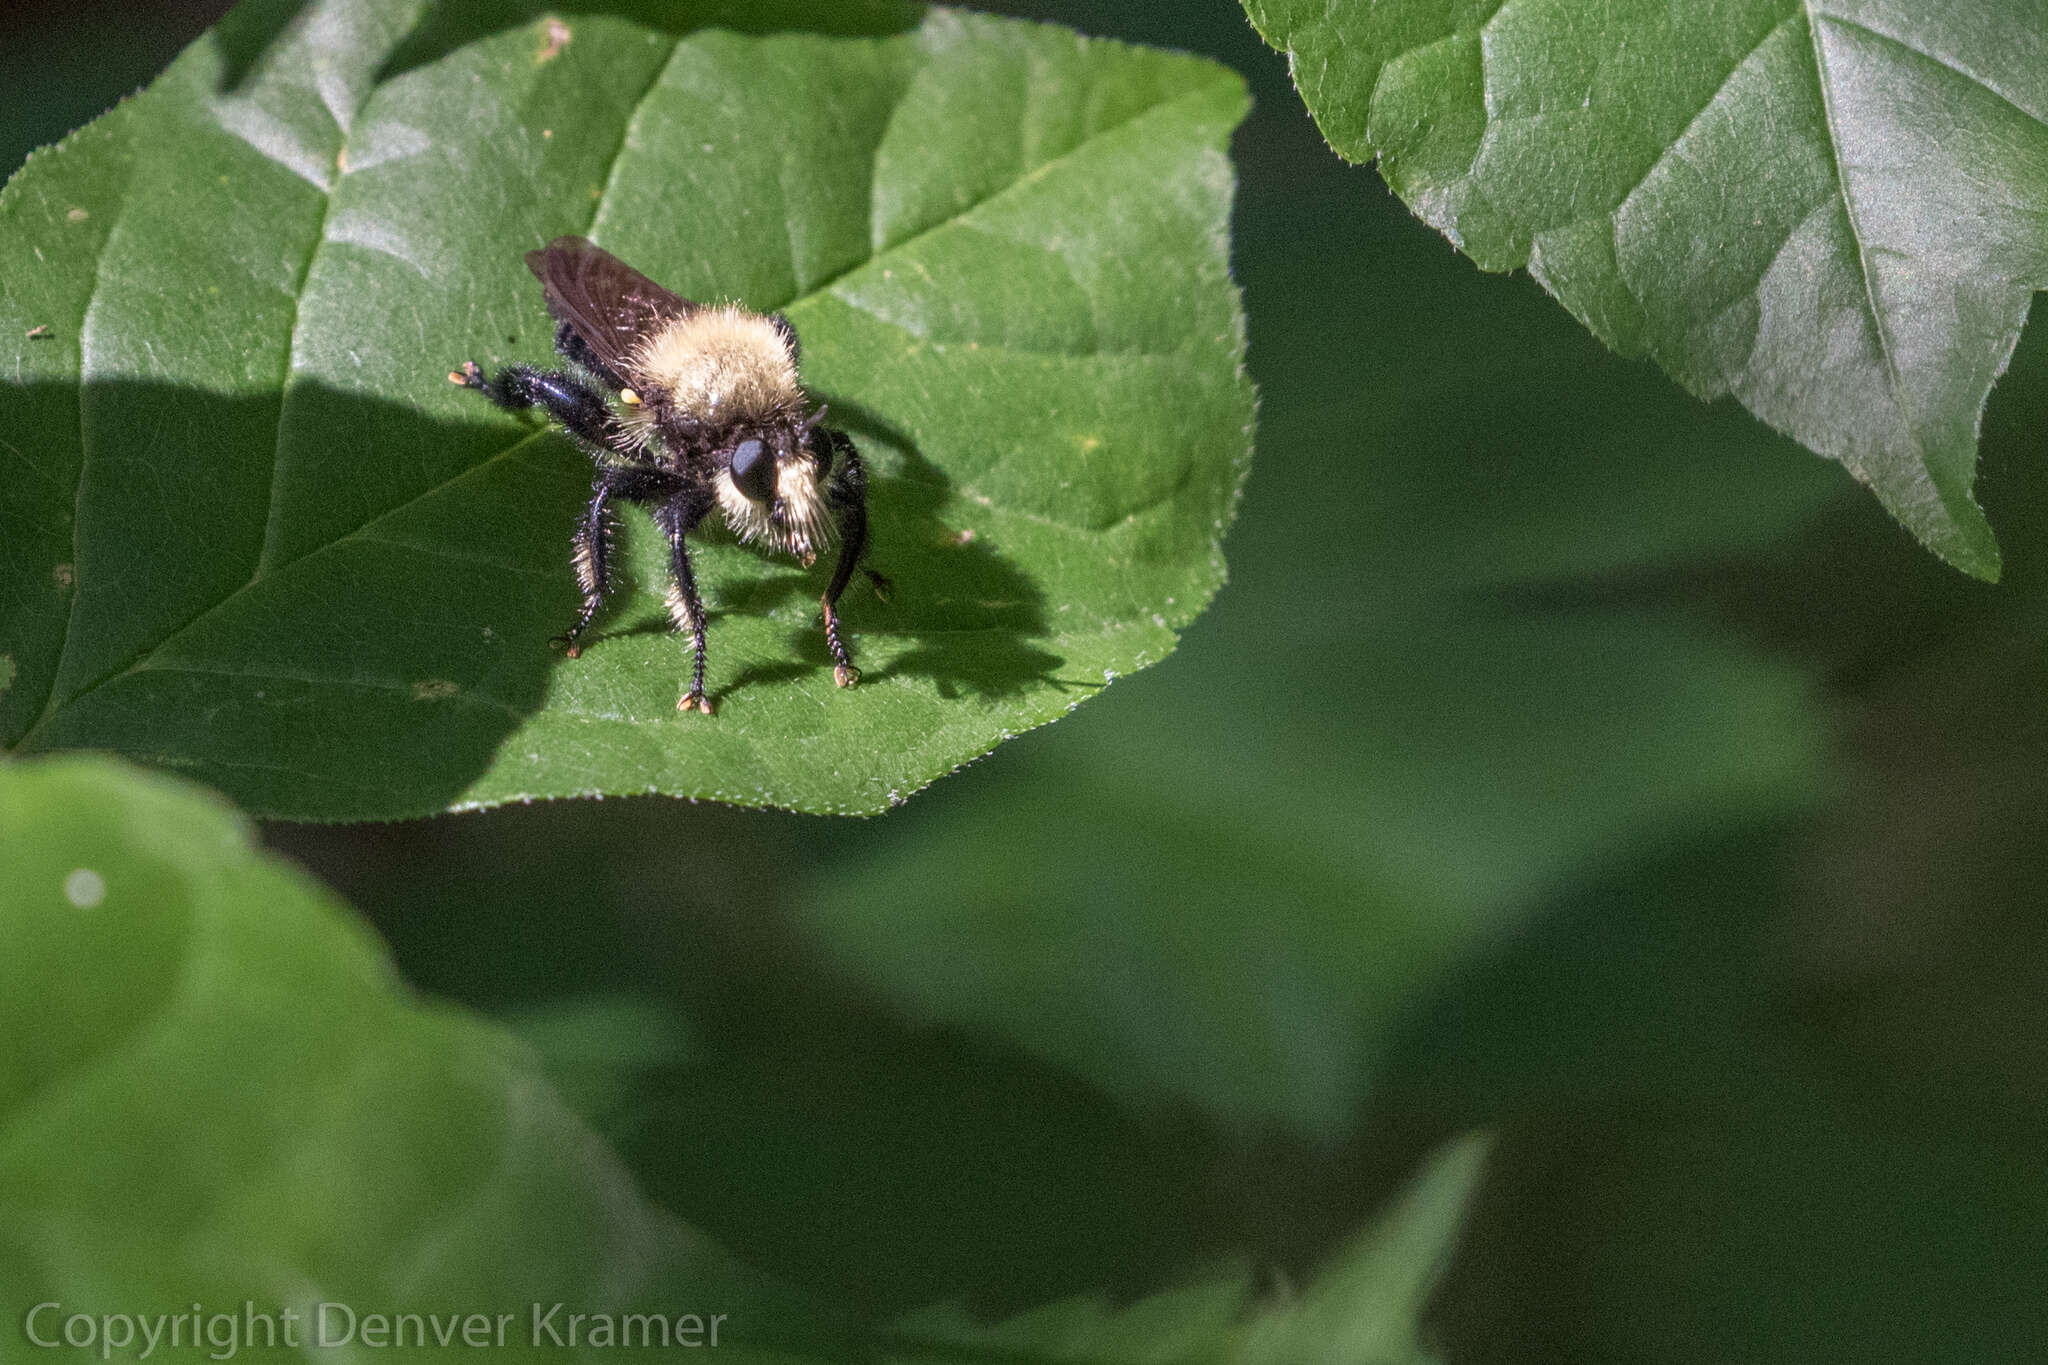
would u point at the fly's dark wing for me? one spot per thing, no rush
(609, 303)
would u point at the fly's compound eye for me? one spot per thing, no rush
(753, 470)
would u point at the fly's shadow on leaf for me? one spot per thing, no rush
(445, 28)
(396, 622)
(374, 613)
(970, 610)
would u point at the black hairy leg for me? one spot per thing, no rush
(569, 343)
(592, 545)
(592, 557)
(581, 410)
(676, 518)
(847, 495)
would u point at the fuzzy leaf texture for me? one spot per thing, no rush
(1835, 210)
(251, 533)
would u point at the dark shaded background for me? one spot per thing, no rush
(1565, 756)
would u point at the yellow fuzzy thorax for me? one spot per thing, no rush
(720, 364)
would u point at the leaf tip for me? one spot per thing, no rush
(1985, 564)
(1965, 540)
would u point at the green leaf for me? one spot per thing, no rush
(214, 1089)
(250, 531)
(1364, 1306)
(1836, 210)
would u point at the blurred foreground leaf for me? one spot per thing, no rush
(213, 1089)
(1836, 210)
(250, 532)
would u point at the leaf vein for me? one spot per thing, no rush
(941, 345)
(50, 704)
(456, 556)
(484, 699)
(1883, 337)
(1946, 64)
(611, 169)
(1671, 149)
(1035, 174)
(273, 505)
(144, 659)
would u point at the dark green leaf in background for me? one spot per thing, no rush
(1176, 923)
(1782, 1218)
(1836, 210)
(253, 534)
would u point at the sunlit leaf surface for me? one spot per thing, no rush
(1836, 210)
(250, 531)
